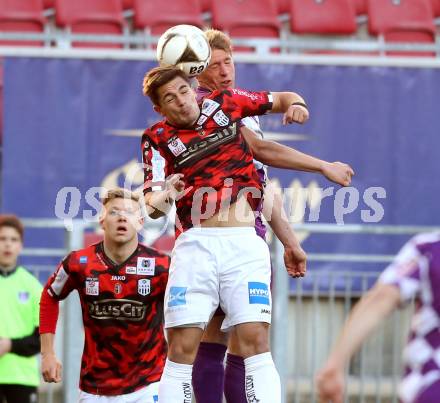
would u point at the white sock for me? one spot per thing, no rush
(175, 384)
(262, 380)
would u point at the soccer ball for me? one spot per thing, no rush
(186, 47)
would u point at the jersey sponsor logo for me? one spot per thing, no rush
(92, 286)
(207, 146)
(130, 270)
(176, 146)
(23, 296)
(209, 106)
(258, 293)
(118, 278)
(119, 309)
(146, 266)
(118, 288)
(248, 94)
(202, 119)
(220, 118)
(144, 286)
(83, 259)
(157, 166)
(177, 296)
(155, 398)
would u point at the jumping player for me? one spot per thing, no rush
(121, 285)
(414, 274)
(209, 373)
(218, 259)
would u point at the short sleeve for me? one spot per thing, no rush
(252, 103)
(61, 283)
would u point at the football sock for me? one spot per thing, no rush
(175, 384)
(235, 379)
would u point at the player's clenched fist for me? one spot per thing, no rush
(338, 172)
(296, 114)
(51, 368)
(330, 384)
(174, 185)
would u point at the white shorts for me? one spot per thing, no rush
(229, 267)
(149, 394)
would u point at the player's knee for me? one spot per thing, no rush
(253, 339)
(182, 348)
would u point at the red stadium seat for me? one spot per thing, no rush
(98, 17)
(165, 243)
(408, 21)
(246, 19)
(334, 17)
(127, 4)
(22, 16)
(361, 7)
(49, 3)
(283, 6)
(206, 5)
(157, 15)
(436, 7)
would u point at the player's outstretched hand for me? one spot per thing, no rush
(296, 114)
(51, 368)
(295, 260)
(338, 172)
(330, 384)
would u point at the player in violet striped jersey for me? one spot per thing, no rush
(414, 274)
(209, 375)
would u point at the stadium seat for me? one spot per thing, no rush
(329, 17)
(97, 17)
(127, 4)
(361, 7)
(49, 3)
(156, 16)
(206, 5)
(246, 19)
(283, 6)
(436, 7)
(22, 16)
(409, 21)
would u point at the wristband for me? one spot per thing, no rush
(299, 104)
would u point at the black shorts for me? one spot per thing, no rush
(18, 394)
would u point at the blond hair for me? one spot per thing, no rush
(119, 193)
(219, 40)
(158, 76)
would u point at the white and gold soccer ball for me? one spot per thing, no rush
(186, 47)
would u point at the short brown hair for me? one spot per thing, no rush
(119, 193)
(10, 220)
(157, 77)
(219, 40)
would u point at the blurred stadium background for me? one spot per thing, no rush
(72, 115)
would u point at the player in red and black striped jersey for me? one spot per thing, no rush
(121, 285)
(218, 259)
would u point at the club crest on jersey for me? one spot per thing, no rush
(209, 106)
(144, 287)
(146, 266)
(23, 296)
(176, 146)
(130, 270)
(92, 286)
(220, 118)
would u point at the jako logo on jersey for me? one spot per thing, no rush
(258, 293)
(209, 106)
(250, 390)
(120, 309)
(177, 296)
(146, 266)
(92, 286)
(144, 286)
(118, 278)
(220, 118)
(176, 146)
(83, 259)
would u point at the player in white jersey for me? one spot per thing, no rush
(414, 274)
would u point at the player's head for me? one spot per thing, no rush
(121, 216)
(170, 91)
(11, 240)
(220, 74)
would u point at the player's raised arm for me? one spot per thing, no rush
(280, 156)
(292, 105)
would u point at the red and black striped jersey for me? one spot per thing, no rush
(214, 158)
(122, 308)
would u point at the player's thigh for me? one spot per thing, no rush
(192, 291)
(212, 333)
(20, 394)
(149, 394)
(245, 284)
(252, 338)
